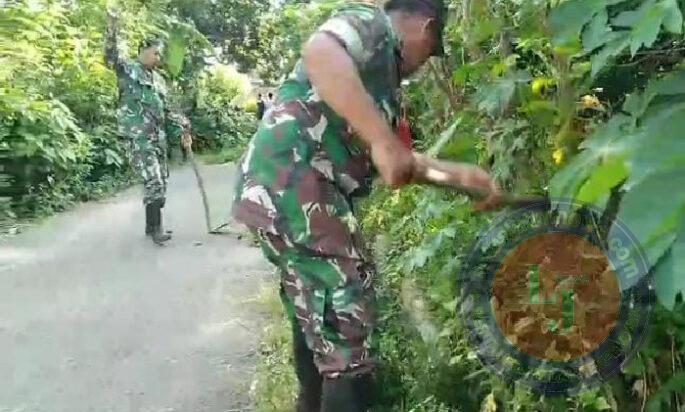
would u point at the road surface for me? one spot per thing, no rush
(94, 317)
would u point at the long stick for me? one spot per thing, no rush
(201, 186)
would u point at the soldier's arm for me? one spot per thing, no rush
(175, 126)
(113, 57)
(334, 74)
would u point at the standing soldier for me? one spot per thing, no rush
(303, 168)
(261, 107)
(145, 120)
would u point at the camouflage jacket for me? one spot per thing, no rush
(143, 110)
(303, 166)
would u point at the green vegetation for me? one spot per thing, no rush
(221, 126)
(58, 133)
(274, 385)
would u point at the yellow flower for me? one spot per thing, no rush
(489, 403)
(558, 156)
(538, 85)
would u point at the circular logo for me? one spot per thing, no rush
(556, 299)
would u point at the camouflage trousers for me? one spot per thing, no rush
(149, 160)
(332, 301)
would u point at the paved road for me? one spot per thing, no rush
(94, 317)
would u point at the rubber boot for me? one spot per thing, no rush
(347, 394)
(309, 396)
(162, 204)
(149, 219)
(158, 235)
(161, 225)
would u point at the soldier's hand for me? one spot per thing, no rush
(481, 181)
(187, 141)
(112, 18)
(394, 162)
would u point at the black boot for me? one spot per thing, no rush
(149, 219)
(161, 224)
(158, 235)
(162, 204)
(347, 394)
(309, 396)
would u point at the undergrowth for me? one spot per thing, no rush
(273, 387)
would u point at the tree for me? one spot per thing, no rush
(230, 25)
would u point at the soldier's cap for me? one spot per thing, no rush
(435, 8)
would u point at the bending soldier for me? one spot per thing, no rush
(303, 169)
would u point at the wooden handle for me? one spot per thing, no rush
(448, 175)
(443, 174)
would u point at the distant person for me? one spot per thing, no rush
(261, 106)
(186, 139)
(269, 101)
(146, 121)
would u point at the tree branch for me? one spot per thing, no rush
(444, 86)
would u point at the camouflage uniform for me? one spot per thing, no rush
(299, 177)
(145, 120)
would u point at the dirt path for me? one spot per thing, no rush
(93, 317)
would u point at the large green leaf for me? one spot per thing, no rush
(495, 98)
(672, 84)
(651, 211)
(598, 32)
(646, 22)
(636, 28)
(670, 273)
(444, 137)
(673, 20)
(646, 30)
(463, 149)
(630, 18)
(614, 47)
(568, 19)
(660, 146)
(176, 52)
(568, 180)
(610, 141)
(604, 178)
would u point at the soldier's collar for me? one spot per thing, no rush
(398, 60)
(397, 46)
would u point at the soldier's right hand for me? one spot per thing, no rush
(112, 17)
(394, 162)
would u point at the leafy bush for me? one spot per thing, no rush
(219, 121)
(56, 110)
(281, 33)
